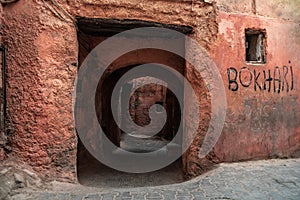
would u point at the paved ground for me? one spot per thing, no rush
(272, 179)
(100, 176)
(94, 174)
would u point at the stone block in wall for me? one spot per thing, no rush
(235, 6)
(283, 9)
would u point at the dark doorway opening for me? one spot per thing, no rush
(89, 170)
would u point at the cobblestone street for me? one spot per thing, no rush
(270, 179)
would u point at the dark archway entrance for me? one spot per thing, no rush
(140, 102)
(90, 171)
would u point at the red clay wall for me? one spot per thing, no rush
(42, 58)
(40, 79)
(260, 123)
(42, 55)
(3, 138)
(142, 99)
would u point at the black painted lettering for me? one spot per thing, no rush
(285, 71)
(255, 80)
(292, 78)
(241, 78)
(232, 81)
(281, 78)
(275, 79)
(269, 79)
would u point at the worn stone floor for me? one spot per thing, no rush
(99, 175)
(269, 179)
(94, 174)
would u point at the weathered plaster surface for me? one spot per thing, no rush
(40, 79)
(43, 52)
(260, 123)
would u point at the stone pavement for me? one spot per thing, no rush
(271, 179)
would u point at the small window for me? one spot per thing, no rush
(255, 46)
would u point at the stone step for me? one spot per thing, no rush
(164, 151)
